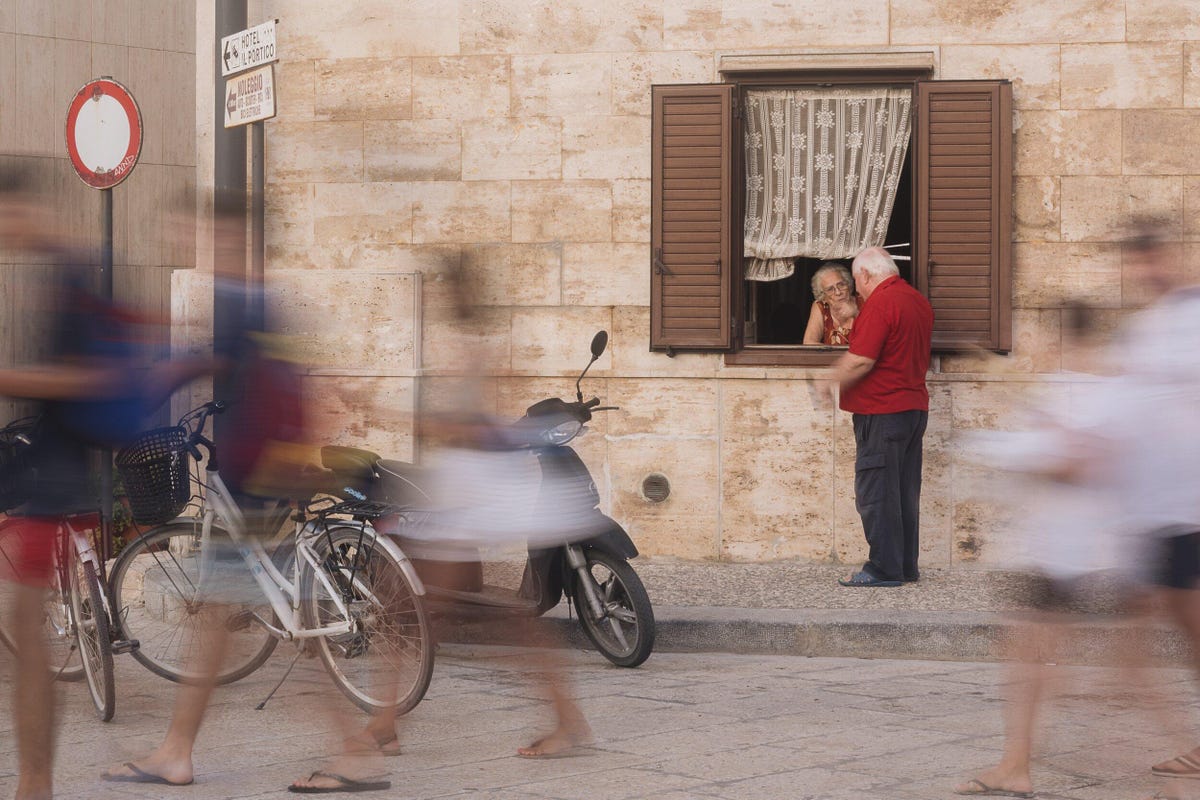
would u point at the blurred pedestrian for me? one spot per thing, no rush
(89, 390)
(882, 383)
(264, 457)
(1159, 351)
(1067, 533)
(487, 492)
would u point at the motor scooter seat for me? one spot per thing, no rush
(402, 483)
(350, 466)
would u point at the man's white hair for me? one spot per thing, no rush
(876, 262)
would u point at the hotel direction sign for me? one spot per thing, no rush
(248, 49)
(250, 97)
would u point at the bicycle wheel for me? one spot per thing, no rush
(156, 596)
(624, 634)
(62, 648)
(387, 659)
(91, 631)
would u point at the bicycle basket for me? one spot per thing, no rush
(155, 471)
(16, 476)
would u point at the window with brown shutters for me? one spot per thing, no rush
(963, 237)
(691, 237)
(959, 214)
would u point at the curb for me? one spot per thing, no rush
(864, 633)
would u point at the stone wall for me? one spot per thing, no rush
(511, 140)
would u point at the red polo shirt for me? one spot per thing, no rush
(895, 328)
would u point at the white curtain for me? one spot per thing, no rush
(822, 166)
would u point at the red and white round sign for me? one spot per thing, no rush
(104, 133)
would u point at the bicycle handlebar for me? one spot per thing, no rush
(193, 422)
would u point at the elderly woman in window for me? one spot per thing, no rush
(835, 307)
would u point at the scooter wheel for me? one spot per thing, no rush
(624, 631)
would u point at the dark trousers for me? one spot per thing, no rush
(887, 490)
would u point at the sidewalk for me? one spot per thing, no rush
(792, 608)
(682, 727)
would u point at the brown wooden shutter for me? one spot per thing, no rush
(691, 242)
(962, 246)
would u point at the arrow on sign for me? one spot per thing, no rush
(231, 99)
(232, 56)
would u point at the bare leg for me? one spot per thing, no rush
(360, 758)
(33, 697)
(1183, 605)
(1026, 679)
(172, 760)
(549, 669)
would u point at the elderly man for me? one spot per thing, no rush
(882, 381)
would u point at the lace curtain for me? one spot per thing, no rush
(822, 167)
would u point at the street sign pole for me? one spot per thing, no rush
(258, 182)
(106, 291)
(229, 185)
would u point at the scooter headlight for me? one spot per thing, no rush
(563, 432)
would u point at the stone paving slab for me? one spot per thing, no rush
(685, 725)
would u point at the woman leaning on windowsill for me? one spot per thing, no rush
(836, 306)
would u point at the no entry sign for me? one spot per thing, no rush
(104, 133)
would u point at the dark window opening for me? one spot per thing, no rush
(777, 311)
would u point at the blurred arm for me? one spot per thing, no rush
(61, 382)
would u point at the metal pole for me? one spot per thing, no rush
(106, 292)
(258, 182)
(229, 187)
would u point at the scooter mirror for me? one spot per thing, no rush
(599, 343)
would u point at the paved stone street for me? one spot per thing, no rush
(682, 726)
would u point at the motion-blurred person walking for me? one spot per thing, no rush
(1159, 352)
(1066, 535)
(264, 461)
(88, 390)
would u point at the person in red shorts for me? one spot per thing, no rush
(882, 383)
(65, 378)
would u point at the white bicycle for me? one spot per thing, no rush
(334, 583)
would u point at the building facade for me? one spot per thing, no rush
(512, 142)
(48, 51)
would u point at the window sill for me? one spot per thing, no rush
(784, 356)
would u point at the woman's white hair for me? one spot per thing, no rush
(830, 266)
(876, 262)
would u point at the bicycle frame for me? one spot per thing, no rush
(283, 593)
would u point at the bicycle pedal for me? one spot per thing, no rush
(239, 621)
(122, 646)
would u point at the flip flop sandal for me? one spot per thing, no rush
(570, 748)
(1191, 767)
(140, 776)
(977, 788)
(344, 785)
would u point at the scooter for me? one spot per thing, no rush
(594, 572)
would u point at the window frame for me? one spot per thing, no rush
(961, 210)
(739, 353)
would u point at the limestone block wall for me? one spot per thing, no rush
(510, 140)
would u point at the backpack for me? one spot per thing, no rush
(16, 479)
(265, 417)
